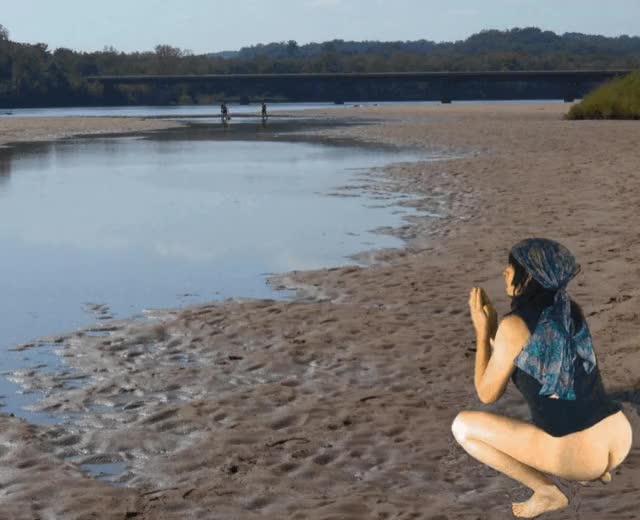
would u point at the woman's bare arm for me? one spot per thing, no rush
(491, 379)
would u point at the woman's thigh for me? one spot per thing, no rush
(577, 456)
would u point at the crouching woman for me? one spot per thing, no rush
(544, 346)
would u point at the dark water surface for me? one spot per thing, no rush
(102, 228)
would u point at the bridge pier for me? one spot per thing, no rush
(446, 92)
(110, 93)
(339, 92)
(571, 92)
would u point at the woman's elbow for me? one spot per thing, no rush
(487, 397)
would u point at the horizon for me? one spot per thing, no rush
(231, 25)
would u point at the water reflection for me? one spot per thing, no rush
(32, 156)
(136, 223)
(5, 168)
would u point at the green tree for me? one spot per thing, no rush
(168, 52)
(292, 48)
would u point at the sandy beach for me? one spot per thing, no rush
(338, 405)
(32, 129)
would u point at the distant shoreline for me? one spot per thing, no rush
(32, 129)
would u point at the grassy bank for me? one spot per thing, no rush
(616, 99)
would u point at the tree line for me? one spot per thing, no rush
(33, 75)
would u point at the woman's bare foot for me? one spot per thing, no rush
(548, 498)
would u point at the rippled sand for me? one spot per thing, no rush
(338, 405)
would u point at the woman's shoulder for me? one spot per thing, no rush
(514, 322)
(513, 331)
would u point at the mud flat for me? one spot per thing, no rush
(31, 129)
(339, 404)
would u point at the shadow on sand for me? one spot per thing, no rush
(627, 396)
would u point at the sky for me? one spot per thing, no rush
(214, 25)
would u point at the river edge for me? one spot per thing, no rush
(288, 127)
(373, 183)
(323, 410)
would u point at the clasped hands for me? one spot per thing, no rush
(483, 314)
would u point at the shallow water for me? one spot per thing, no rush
(159, 111)
(214, 109)
(103, 228)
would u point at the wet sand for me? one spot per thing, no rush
(31, 129)
(338, 405)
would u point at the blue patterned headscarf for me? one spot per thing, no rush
(551, 350)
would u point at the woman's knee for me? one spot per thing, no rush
(460, 426)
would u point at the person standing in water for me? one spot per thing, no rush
(265, 116)
(545, 347)
(224, 113)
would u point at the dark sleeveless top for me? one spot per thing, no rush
(560, 417)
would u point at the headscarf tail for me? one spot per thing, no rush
(551, 351)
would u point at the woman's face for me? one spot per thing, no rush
(508, 274)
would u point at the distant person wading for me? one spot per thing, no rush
(224, 113)
(544, 346)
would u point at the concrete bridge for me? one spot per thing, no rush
(339, 87)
